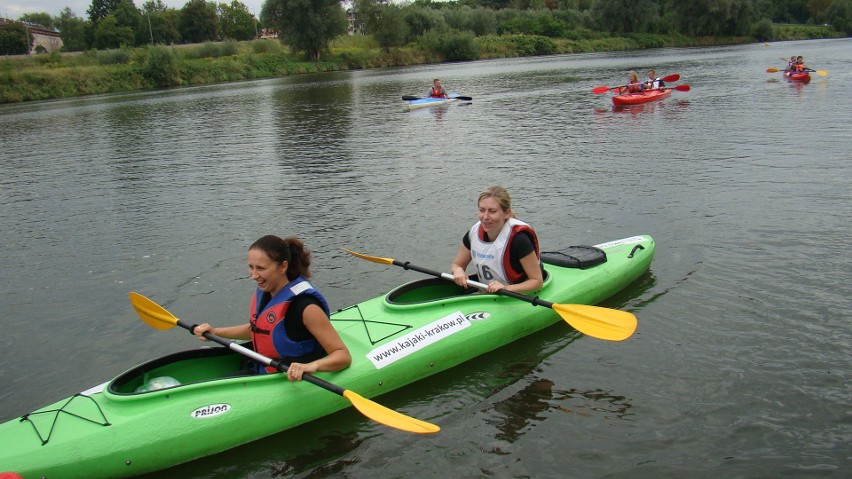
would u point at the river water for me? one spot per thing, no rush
(740, 366)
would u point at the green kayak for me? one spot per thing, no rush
(196, 403)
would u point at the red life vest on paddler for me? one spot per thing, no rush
(437, 92)
(268, 332)
(481, 251)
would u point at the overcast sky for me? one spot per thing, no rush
(15, 8)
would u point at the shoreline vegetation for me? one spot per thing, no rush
(92, 72)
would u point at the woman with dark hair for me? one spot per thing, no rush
(289, 317)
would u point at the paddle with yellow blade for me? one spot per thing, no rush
(595, 321)
(821, 73)
(157, 317)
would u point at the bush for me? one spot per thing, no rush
(530, 45)
(763, 31)
(453, 46)
(646, 40)
(265, 46)
(14, 39)
(581, 34)
(120, 56)
(228, 48)
(422, 19)
(207, 50)
(161, 67)
(483, 21)
(212, 50)
(53, 58)
(480, 21)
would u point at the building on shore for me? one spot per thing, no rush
(45, 39)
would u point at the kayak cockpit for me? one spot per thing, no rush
(439, 289)
(427, 290)
(179, 369)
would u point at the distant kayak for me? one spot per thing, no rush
(640, 97)
(798, 76)
(418, 103)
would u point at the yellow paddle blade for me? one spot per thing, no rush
(772, 70)
(602, 323)
(152, 313)
(821, 73)
(389, 417)
(374, 259)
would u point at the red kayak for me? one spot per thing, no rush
(798, 76)
(640, 97)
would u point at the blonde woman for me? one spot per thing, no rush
(633, 84)
(503, 249)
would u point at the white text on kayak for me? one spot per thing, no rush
(418, 339)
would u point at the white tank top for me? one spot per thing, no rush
(487, 257)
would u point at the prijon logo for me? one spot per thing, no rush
(210, 411)
(478, 316)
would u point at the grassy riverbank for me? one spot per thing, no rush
(57, 75)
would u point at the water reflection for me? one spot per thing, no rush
(636, 109)
(594, 402)
(317, 459)
(311, 127)
(797, 86)
(529, 405)
(301, 450)
(524, 407)
(439, 112)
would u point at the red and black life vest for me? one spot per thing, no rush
(481, 251)
(268, 332)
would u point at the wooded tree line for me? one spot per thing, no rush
(309, 25)
(117, 23)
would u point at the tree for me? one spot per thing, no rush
(626, 16)
(127, 15)
(306, 25)
(171, 21)
(72, 30)
(713, 17)
(198, 22)
(818, 9)
(839, 16)
(387, 26)
(763, 30)
(236, 22)
(41, 18)
(109, 34)
(15, 39)
(100, 9)
(784, 11)
(422, 19)
(159, 23)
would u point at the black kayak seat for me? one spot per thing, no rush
(582, 257)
